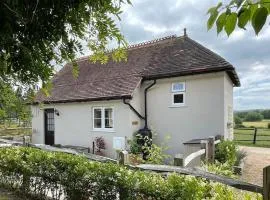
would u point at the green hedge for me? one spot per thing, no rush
(37, 173)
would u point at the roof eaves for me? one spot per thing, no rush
(85, 100)
(229, 69)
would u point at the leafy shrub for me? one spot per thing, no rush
(226, 152)
(253, 117)
(218, 168)
(240, 155)
(37, 173)
(155, 154)
(134, 147)
(100, 144)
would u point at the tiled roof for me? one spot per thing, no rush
(165, 57)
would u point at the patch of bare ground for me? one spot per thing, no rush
(257, 158)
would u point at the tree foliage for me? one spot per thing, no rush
(239, 13)
(253, 116)
(34, 35)
(13, 102)
(243, 114)
(237, 120)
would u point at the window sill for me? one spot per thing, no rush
(104, 130)
(178, 106)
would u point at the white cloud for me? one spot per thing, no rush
(148, 19)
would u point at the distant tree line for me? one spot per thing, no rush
(251, 115)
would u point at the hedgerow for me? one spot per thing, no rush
(39, 174)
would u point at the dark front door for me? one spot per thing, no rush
(49, 126)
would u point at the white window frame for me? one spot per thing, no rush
(103, 119)
(184, 84)
(179, 104)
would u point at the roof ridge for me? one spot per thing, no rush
(149, 42)
(134, 46)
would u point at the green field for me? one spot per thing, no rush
(260, 124)
(263, 134)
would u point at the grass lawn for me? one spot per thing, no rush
(261, 124)
(247, 134)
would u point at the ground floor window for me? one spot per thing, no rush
(103, 118)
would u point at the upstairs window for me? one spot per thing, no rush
(178, 94)
(103, 118)
(178, 87)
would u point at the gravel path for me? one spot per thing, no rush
(257, 158)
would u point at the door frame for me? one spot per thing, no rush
(51, 110)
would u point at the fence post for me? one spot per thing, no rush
(255, 135)
(204, 145)
(123, 157)
(266, 183)
(26, 140)
(179, 160)
(211, 149)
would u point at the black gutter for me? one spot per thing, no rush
(230, 70)
(133, 109)
(145, 103)
(84, 100)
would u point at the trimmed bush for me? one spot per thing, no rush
(37, 173)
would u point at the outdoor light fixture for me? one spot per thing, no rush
(56, 112)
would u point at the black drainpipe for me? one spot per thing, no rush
(145, 104)
(133, 109)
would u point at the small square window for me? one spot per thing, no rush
(178, 87)
(178, 99)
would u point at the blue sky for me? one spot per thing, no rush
(250, 54)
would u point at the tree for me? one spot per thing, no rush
(36, 34)
(7, 101)
(14, 102)
(237, 120)
(266, 114)
(253, 116)
(240, 13)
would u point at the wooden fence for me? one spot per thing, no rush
(166, 169)
(252, 135)
(208, 149)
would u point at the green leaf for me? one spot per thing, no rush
(259, 19)
(211, 10)
(266, 3)
(221, 22)
(212, 19)
(253, 9)
(219, 5)
(243, 17)
(230, 23)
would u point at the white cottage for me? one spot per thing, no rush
(173, 86)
